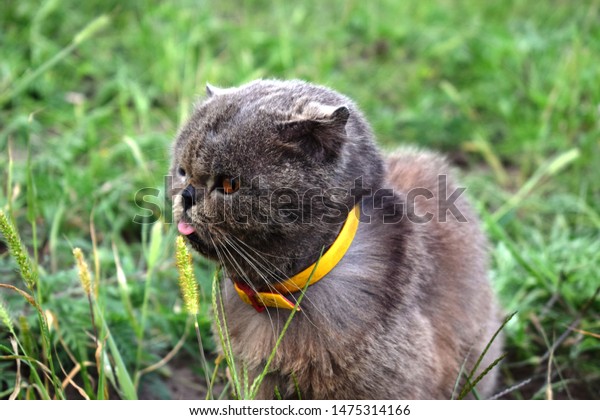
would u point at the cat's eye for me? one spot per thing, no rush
(181, 171)
(228, 185)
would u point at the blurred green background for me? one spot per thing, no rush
(92, 94)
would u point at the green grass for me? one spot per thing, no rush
(92, 93)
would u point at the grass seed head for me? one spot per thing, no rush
(187, 280)
(17, 250)
(5, 318)
(84, 272)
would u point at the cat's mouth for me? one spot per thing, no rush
(185, 228)
(189, 231)
(202, 236)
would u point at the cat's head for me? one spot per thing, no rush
(270, 167)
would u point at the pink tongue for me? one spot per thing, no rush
(185, 229)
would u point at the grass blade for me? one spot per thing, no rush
(152, 254)
(258, 380)
(471, 384)
(551, 168)
(223, 332)
(21, 84)
(124, 291)
(125, 383)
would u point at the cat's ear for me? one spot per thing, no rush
(319, 130)
(212, 90)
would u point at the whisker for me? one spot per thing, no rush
(260, 255)
(244, 278)
(245, 254)
(220, 257)
(257, 264)
(274, 275)
(263, 254)
(266, 261)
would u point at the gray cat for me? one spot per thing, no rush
(273, 174)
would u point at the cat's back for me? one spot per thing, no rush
(459, 300)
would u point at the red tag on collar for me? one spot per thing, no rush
(248, 291)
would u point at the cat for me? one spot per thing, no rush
(272, 174)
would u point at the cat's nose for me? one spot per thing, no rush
(189, 197)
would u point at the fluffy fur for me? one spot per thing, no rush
(408, 303)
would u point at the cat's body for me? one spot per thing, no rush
(407, 304)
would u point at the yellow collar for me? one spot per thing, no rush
(259, 300)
